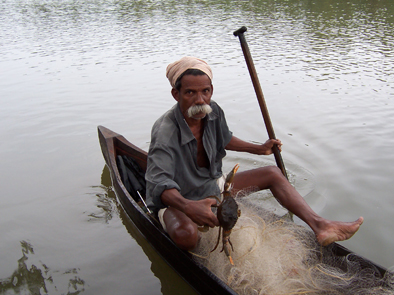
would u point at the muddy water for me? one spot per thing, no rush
(68, 66)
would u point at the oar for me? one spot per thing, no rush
(260, 97)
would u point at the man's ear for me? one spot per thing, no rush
(175, 94)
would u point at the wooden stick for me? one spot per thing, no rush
(260, 97)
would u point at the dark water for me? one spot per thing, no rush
(326, 69)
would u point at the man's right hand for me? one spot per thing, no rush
(198, 211)
(201, 213)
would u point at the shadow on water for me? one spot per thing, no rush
(35, 279)
(171, 282)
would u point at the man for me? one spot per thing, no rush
(185, 163)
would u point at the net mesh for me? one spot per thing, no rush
(273, 255)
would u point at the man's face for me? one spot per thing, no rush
(195, 90)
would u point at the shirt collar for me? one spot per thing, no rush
(186, 133)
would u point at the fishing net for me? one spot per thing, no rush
(273, 255)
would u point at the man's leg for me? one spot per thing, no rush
(181, 229)
(271, 177)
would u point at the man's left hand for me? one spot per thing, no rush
(266, 148)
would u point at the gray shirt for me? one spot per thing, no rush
(172, 157)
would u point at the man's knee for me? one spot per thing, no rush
(273, 173)
(269, 171)
(275, 170)
(181, 229)
(185, 236)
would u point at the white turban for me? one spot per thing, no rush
(177, 68)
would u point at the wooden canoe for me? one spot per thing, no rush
(202, 280)
(197, 276)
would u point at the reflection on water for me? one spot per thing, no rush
(326, 38)
(36, 279)
(171, 283)
(106, 203)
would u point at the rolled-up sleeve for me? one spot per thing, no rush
(160, 174)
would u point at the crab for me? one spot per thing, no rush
(227, 214)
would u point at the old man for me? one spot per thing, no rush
(188, 144)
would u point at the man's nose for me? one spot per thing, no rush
(200, 98)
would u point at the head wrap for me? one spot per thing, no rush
(177, 68)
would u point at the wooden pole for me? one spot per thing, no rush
(260, 97)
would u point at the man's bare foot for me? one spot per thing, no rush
(338, 231)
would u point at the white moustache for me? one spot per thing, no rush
(196, 109)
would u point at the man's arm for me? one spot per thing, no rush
(198, 211)
(239, 145)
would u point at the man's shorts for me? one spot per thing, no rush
(220, 182)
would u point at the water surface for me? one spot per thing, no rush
(68, 66)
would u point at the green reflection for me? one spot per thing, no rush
(380, 10)
(106, 205)
(38, 279)
(23, 277)
(329, 35)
